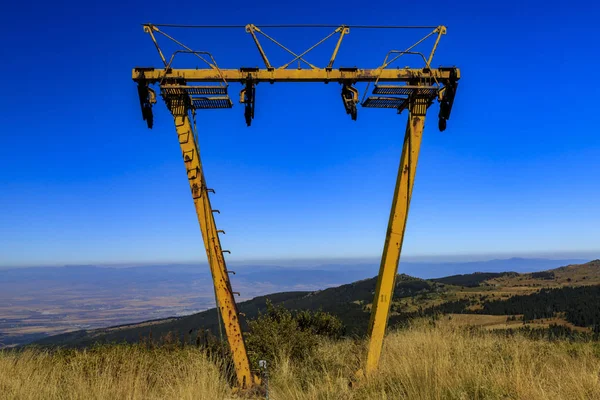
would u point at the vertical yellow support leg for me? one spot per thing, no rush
(395, 231)
(214, 252)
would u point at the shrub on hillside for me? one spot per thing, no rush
(289, 334)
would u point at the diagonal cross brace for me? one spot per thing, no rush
(252, 29)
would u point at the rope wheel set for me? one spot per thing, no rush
(185, 91)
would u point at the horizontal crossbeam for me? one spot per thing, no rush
(152, 75)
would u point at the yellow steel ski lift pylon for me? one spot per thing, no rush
(187, 90)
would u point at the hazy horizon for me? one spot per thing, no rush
(313, 261)
(317, 262)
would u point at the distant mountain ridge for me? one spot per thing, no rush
(275, 273)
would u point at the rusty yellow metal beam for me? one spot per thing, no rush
(441, 30)
(155, 75)
(343, 30)
(388, 269)
(251, 29)
(212, 244)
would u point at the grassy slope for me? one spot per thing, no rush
(422, 362)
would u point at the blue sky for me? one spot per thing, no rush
(82, 180)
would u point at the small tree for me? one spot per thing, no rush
(281, 332)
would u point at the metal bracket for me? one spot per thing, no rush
(192, 173)
(147, 100)
(188, 156)
(350, 99)
(446, 100)
(248, 97)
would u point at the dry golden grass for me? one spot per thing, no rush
(422, 362)
(115, 372)
(446, 362)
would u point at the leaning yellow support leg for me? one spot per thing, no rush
(214, 252)
(395, 231)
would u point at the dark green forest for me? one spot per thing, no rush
(471, 280)
(580, 305)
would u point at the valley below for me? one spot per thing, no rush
(37, 304)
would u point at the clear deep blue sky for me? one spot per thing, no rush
(83, 180)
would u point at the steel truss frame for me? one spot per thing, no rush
(412, 89)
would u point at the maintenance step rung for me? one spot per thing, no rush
(406, 90)
(385, 102)
(211, 102)
(179, 90)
